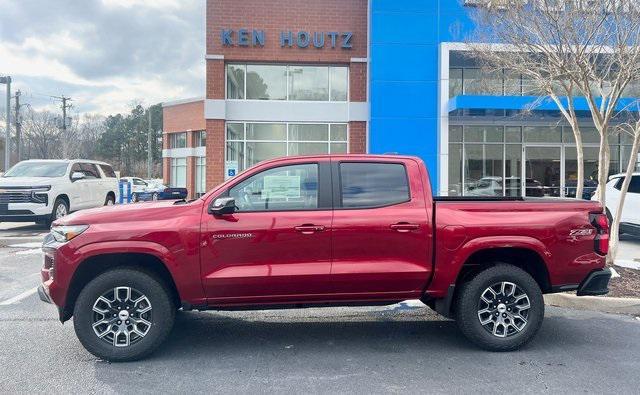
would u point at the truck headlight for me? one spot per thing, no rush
(65, 233)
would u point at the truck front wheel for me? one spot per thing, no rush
(123, 315)
(500, 308)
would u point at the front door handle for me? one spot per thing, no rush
(404, 227)
(309, 229)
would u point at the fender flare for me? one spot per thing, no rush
(447, 274)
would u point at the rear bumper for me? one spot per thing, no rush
(596, 283)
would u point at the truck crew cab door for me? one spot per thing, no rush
(277, 245)
(381, 229)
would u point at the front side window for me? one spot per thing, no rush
(279, 189)
(373, 184)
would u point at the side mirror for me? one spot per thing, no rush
(223, 206)
(77, 176)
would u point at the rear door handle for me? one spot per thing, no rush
(404, 227)
(308, 229)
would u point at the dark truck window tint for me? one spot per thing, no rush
(634, 185)
(108, 171)
(373, 184)
(282, 188)
(90, 170)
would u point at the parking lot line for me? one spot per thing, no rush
(19, 297)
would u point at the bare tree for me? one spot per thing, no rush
(42, 135)
(568, 48)
(631, 128)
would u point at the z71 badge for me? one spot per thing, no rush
(580, 232)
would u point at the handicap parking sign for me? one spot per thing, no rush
(232, 172)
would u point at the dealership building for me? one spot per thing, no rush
(380, 76)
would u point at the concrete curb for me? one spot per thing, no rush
(629, 306)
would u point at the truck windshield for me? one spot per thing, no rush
(38, 169)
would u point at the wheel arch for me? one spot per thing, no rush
(95, 265)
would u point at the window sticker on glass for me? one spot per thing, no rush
(281, 187)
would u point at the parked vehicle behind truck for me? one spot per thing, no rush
(317, 231)
(45, 190)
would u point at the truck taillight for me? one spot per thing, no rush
(601, 223)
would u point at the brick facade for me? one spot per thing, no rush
(272, 17)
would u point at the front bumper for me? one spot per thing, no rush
(596, 283)
(44, 296)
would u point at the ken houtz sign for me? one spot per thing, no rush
(301, 39)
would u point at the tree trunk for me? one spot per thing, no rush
(603, 167)
(614, 237)
(579, 161)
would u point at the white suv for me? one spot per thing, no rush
(45, 190)
(630, 218)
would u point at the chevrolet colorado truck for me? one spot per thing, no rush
(321, 231)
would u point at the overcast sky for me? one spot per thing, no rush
(104, 54)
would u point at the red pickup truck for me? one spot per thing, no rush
(321, 231)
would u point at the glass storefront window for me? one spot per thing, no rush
(480, 164)
(201, 175)
(235, 81)
(339, 83)
(178, 140)
(266, 82)
(542, 134)
(264, 141)
(257, 152)
(235, 131)
(455, 169)
(266, 131)
(308, 132)
(287, 82)
(455, 82)
(179, 172)
(339, 132)
(308, 83)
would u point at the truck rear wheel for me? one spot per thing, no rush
(123, 315)
(500, 308)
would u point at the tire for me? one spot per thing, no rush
(134, 197)
(60, 209)
(160, 317)
(110, 200)
(493, 336)
(154, 197)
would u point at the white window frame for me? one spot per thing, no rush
(174, 172)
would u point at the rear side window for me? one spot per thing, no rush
(373, 184)
(90, 170)
(634, 185)
(108, 171)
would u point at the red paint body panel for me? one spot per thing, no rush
(360, 255)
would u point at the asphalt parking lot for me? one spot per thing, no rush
(398, 349)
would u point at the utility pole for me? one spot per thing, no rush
(149, 153)
(64, 113)
(7, 141)
(18, 123)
